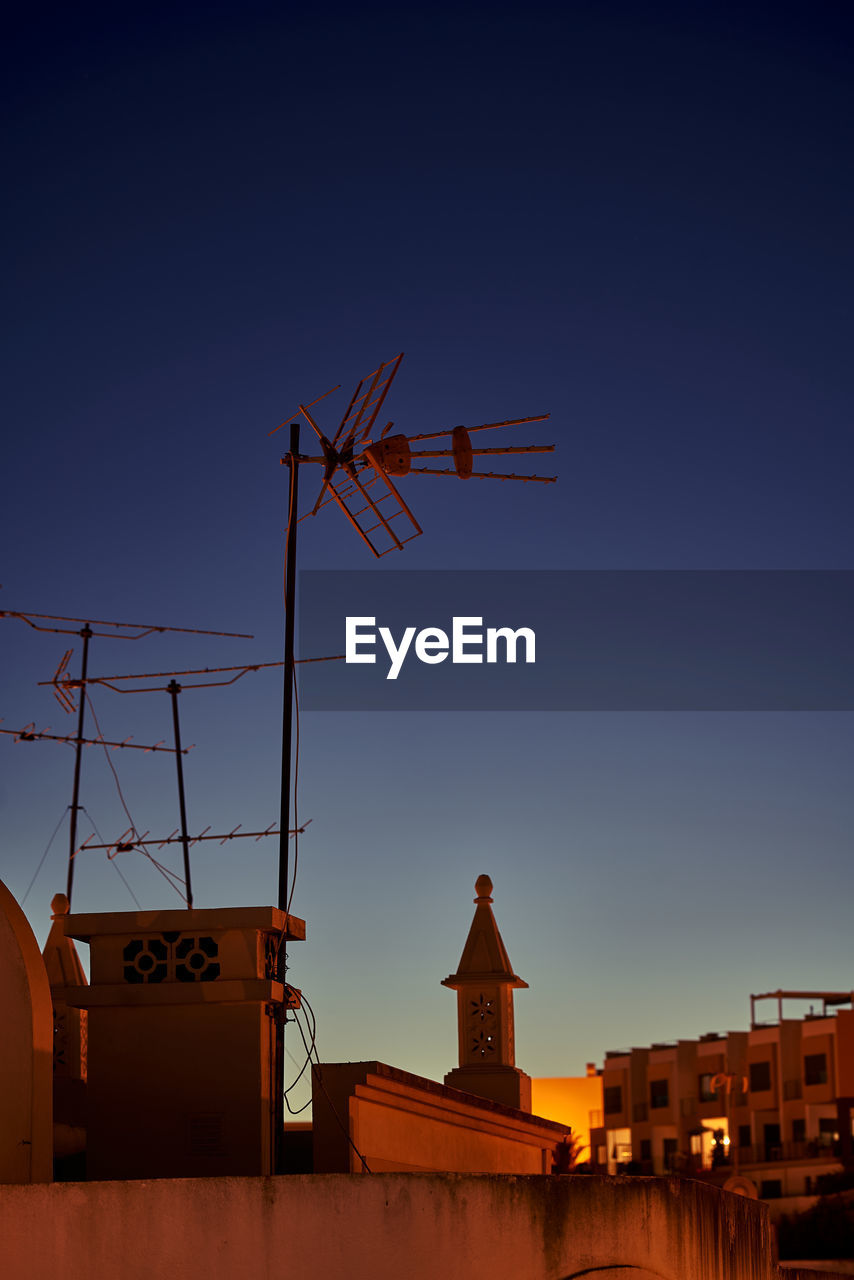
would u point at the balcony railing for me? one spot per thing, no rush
(774, 1152)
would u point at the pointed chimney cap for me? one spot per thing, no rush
(484, 957)
(60, 954)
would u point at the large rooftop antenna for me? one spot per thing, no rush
(357, 470)
(65, 685)
(357, 475)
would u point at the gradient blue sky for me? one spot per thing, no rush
(635, 217)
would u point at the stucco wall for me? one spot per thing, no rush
(402, 1123)
(384, 1226)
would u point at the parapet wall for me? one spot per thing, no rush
(382, 1227)
(402, 1123)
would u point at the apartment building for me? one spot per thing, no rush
(765, 1111)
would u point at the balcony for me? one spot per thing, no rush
(774, 1153)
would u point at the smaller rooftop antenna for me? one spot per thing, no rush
(128, 683)
(64, 685)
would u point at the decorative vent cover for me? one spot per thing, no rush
(171, 957)
(482, 1023)
(196, 960)
(145, 960)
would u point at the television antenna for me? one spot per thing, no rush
(64, 685)
(357, 475)
(358, 471)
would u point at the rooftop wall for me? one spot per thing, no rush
(459, 1227)
(402, 1123)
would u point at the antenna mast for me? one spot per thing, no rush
(292, 461)
(63, 684)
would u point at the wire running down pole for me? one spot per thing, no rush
(292, 461)
(86, 633)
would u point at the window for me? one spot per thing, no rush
(815, 1068)
(760, 1077)
(659, 1093)
(613, 1099)
(773, 1149)
(799, 1131)
(828, 1130)
(671, 1146)
(744, 1135)
(770, 1189)
(704, 1087)
(646, 1149)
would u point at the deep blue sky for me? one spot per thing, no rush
(635, 217)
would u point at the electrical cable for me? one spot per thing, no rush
(309, 1048)
(44, 855)
(112, 767)
(118, 869)
(318, 1075)
(299, 1074)
(168, 876)
(291, 683)
(308, 1061)
(296, 780)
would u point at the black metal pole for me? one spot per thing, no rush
(173, 688)
(291, 461)
(86, 633)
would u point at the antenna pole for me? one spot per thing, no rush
(278, 1116)
(173, 689)
(86, 633)
(292, 461)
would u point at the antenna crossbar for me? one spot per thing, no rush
(344, 495)
(484, 426)
(303, 407)
(516, 448)
(111, 682)
(28, 734)
(481, 475)
(126, 843)
(145, 628)
(364, 402)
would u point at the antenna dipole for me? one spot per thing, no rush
(358, 470)
(118, 632)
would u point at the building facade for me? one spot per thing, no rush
(765, 1111)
